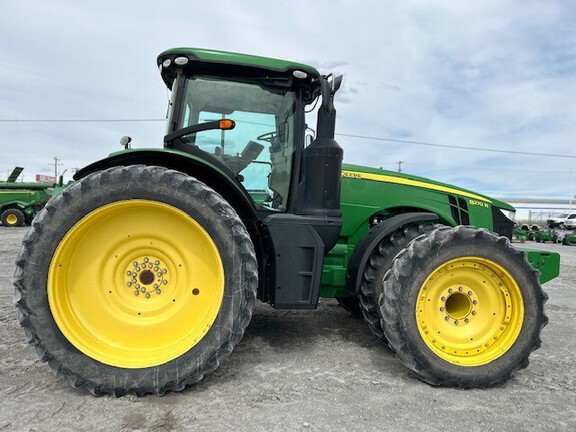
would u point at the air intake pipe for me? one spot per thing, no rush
(319, 188)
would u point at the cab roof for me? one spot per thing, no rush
(230, 64)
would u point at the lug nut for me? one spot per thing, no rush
(146, 259)
(158, 291)
(456, 322)
(446, 318)
(147, 295)
(469, 293)
(143, 289)
(157, 262)
(136, 292)
(460, 289)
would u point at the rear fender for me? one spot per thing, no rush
(209, 173)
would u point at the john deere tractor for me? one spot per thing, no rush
(141, 276)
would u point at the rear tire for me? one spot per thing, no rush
(12, 218)
(378, 264)
(463, 308)
(172, 278)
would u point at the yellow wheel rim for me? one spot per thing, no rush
(135, 284)
(470, 311)
(11, 219)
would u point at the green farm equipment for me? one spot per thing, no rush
(542, 236)
(569, 238)
(141, 276)
(519, 233)
(20, 202)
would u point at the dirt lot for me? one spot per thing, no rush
(314, 370)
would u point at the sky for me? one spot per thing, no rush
(496, 74)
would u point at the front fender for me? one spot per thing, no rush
(365, 246)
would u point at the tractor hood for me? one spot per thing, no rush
(367, 173)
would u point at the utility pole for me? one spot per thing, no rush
(571, 189)
(400, 162)
(56, 164)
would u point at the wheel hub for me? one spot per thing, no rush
(146, 276)
(11, 219)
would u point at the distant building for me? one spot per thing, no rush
(539, 210)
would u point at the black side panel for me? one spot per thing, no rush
(296, 262)
(365, 246)
(501, 224)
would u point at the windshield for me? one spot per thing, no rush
(259, 149)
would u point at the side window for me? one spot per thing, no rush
(256, 149)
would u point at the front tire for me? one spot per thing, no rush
(12, 218)
(379, 262)
(463, 308)
(136, 280)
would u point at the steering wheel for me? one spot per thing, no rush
(268, 136)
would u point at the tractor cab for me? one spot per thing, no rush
(244, 114)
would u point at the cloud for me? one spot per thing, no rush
(486, 74)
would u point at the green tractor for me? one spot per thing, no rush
(141, 276)
(20, 202)
(542, 236)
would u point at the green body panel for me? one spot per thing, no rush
(547, 263)
(225, 57)
(366, 192)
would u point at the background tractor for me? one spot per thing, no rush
(19, 202)
(141, 277)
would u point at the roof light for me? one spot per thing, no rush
(181, 61)
(300, 74)
(166, 63)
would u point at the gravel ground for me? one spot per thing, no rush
(313, 370)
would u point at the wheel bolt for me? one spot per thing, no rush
(475, 302)
(446, 318)
(135, 264)
(164, 281)
(147, 295)
(146, 259)
(469, 293)
(136, 292)
(143, 289)
(450, 290)
(128, 273)
(456, 322)
(155, 285)
(158, 291)
(466, 320)
(442, 309)
(460, 289)
(157, 262)
(473, 312)
(443, 298)
(129, 284)
(164, 271)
